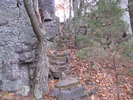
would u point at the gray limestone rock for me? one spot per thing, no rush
(60, 55)
(55, 92)
(93, 92)
(16, 36)
(62, 63)
(68, 76)
(53, 69)
(67, 72)
(27, 57)
(24, 90)
(66, 53)
(57, 74)
(63, 59)
(97, 89)
(62, 68)
(18, 44)
(60, 47)
(11, 86)
(75, 93)
(25, 47)
(67, 82)
(69, 59)
(77, 99)
(47, 4)
(54, 63)
(50, 21)
(54, 52)
(52, 55)
(47, 16)
(69, 67)
(58, 63)
(19, 85)
(11, 72)
(1, 83)
(2, 43)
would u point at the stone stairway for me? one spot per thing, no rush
(68, 86)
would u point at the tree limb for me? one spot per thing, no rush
(35, 23)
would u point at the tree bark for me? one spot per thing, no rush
(41, 78)
(70, 10)
(130, 6)
(81, 7)
(75, 7)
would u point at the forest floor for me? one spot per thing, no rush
(110, 78)
(107, 79)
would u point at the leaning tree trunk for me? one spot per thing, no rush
(41, 78)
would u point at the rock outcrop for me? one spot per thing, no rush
(50, 21)
(18, 45)
(17, 49)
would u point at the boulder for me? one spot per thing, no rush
(67, 82)
(50, 21)
(69, 59)
(72, 94)
(20, 85)
(67, 53)
(55, 92)
(62, 68)
(47, 4)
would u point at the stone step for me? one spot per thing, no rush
(60, 71)
(64, 41)
(67, 59)
(67, 83)
(59, 48)
(69, 76)
(59, 54)
(61, 59)
(58, 63)
(64, 54)
(71, 94)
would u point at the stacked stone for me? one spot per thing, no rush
(60, 63)
(68, 87)
(63, 41)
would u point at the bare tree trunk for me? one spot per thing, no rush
(70, 10)
(81, 7)
(41, 78)
(75, 7)
(130, 6)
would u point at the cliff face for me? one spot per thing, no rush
(18, 45)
